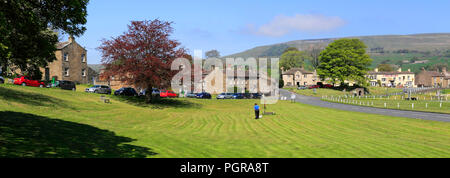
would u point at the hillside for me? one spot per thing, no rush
(391, 49)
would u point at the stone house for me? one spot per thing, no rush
(300, 77)
(70, 64)
(397, 78)
(433, 78)
(210, 85)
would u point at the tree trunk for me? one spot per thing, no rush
(150, 98)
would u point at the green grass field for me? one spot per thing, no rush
(40, 122)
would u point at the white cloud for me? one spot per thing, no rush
(303, 23)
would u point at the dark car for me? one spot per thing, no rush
(247, 95)
(102, 89)
(126, 91)
(64, 84)
(256, 96)
(314, 86)
(2, 80)
(238, 96)
(203, 95)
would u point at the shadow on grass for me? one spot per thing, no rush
(29, 98)
(28, 135)
(160, 104)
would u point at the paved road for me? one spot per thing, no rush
(388, 112)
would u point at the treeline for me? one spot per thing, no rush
(436, 52)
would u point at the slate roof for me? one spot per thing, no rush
(294, 70)
(62, 45)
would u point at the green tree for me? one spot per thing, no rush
(212, 54)
(385, 68)
(290, 49)
(293, 59)
(344, 59)
(26, 30)
(315, 53)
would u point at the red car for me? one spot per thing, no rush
(25, 81)
(314, 86)
(167, 94)
(328, 86)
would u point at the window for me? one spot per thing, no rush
(383, 79)
(305, 76)
(83, 72)
(66, 56)
(66, 71)
(83, 57)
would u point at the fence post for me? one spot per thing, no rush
(385, 105)
(398, 105)
(413, 106)
(426, 105)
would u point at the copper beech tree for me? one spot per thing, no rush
(142, 56)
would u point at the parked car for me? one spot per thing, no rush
(302, 88)
(203, 95)
(225, 96)
(155, 92)
(63, 84)
(102, 89)
(167, 94)
(25, 81)
(247, 95)
(327, 86)
(126, 91)
(191, 95)
(2, 80)
(256, 96)
(238, 96)
(314, 86)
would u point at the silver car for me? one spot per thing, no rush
(102, 89)
(225, 96)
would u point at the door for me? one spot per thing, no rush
(47, 74)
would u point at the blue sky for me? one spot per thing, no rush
(232, 26)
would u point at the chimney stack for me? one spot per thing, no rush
(409, 70)
(399, 69)
(444, 70)
(71, 39)
(376, 69)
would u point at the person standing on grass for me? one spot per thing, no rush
(256, 111)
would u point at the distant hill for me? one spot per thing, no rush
(389, 49)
